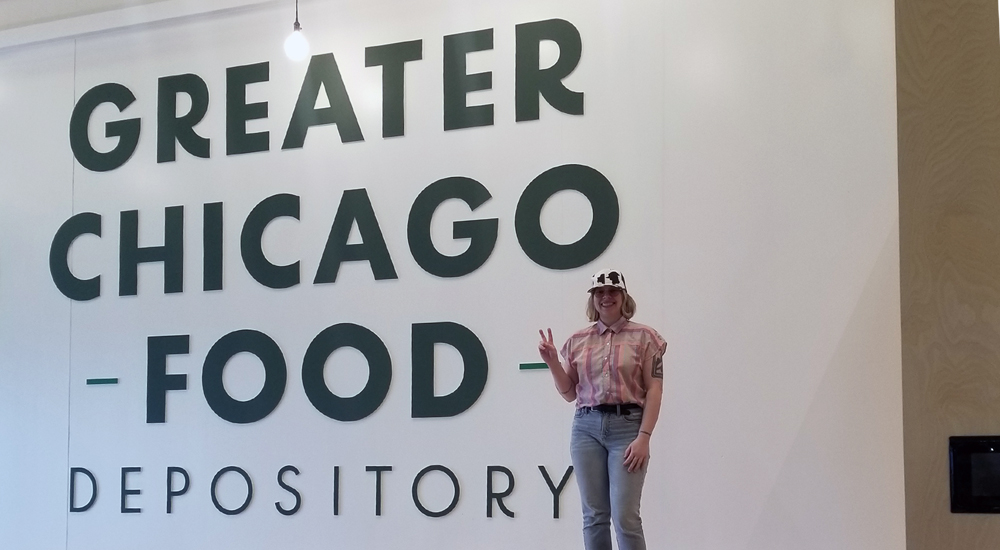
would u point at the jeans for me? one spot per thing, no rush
(608, 491)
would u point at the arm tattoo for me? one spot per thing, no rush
(658, 368)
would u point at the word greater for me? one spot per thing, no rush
(178, 483)
(530, 82)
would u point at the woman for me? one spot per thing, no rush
(613, 369)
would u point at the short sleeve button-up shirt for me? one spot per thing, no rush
(609, 361)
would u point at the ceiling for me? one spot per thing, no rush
(21, 13)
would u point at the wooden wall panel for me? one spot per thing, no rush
(948, 101)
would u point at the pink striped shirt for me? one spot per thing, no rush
(609, 361)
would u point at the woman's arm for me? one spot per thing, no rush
(564, 378)
(637, 453)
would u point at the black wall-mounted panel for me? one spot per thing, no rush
(975, 474)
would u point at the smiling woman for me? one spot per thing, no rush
(614, 371)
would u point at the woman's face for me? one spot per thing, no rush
(608, 302)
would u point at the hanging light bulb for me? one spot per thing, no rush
(296, 45)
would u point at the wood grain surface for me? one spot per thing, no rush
(948, 103)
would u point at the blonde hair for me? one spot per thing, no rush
(628, 306)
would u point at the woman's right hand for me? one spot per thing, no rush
(547, 349)
(565, 384)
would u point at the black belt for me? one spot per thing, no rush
(619, 409)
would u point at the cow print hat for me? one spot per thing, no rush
(608, 277)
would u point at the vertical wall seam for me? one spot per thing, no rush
(69, 359)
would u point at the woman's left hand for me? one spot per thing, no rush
(637, 453)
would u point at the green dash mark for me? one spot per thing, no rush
(101, 381)
(533, 366)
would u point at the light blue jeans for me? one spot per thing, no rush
(608, 492)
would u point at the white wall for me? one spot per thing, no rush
(35, 355)
(752, 149)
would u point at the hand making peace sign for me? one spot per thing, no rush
(547, 349)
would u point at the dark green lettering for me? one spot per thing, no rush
(298, 498)
(415, 492)
(238, 111)
(212, 247)
(130, 255)
(126, 492)
(475, 369)
(275, 375)
(72, 489)
(171, 493)
(322, 72)
(482, 234)
(491, 495)
(246, 479)
(392, 58)
(530, 81)
(158, 382)
(457, 84)
(346, 409)
(171, 129)
(527, 217)
(84, 223)
(127, 131)
(251, 245)
(355, 207)
(555, 489)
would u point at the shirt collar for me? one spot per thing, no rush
(615, 328)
